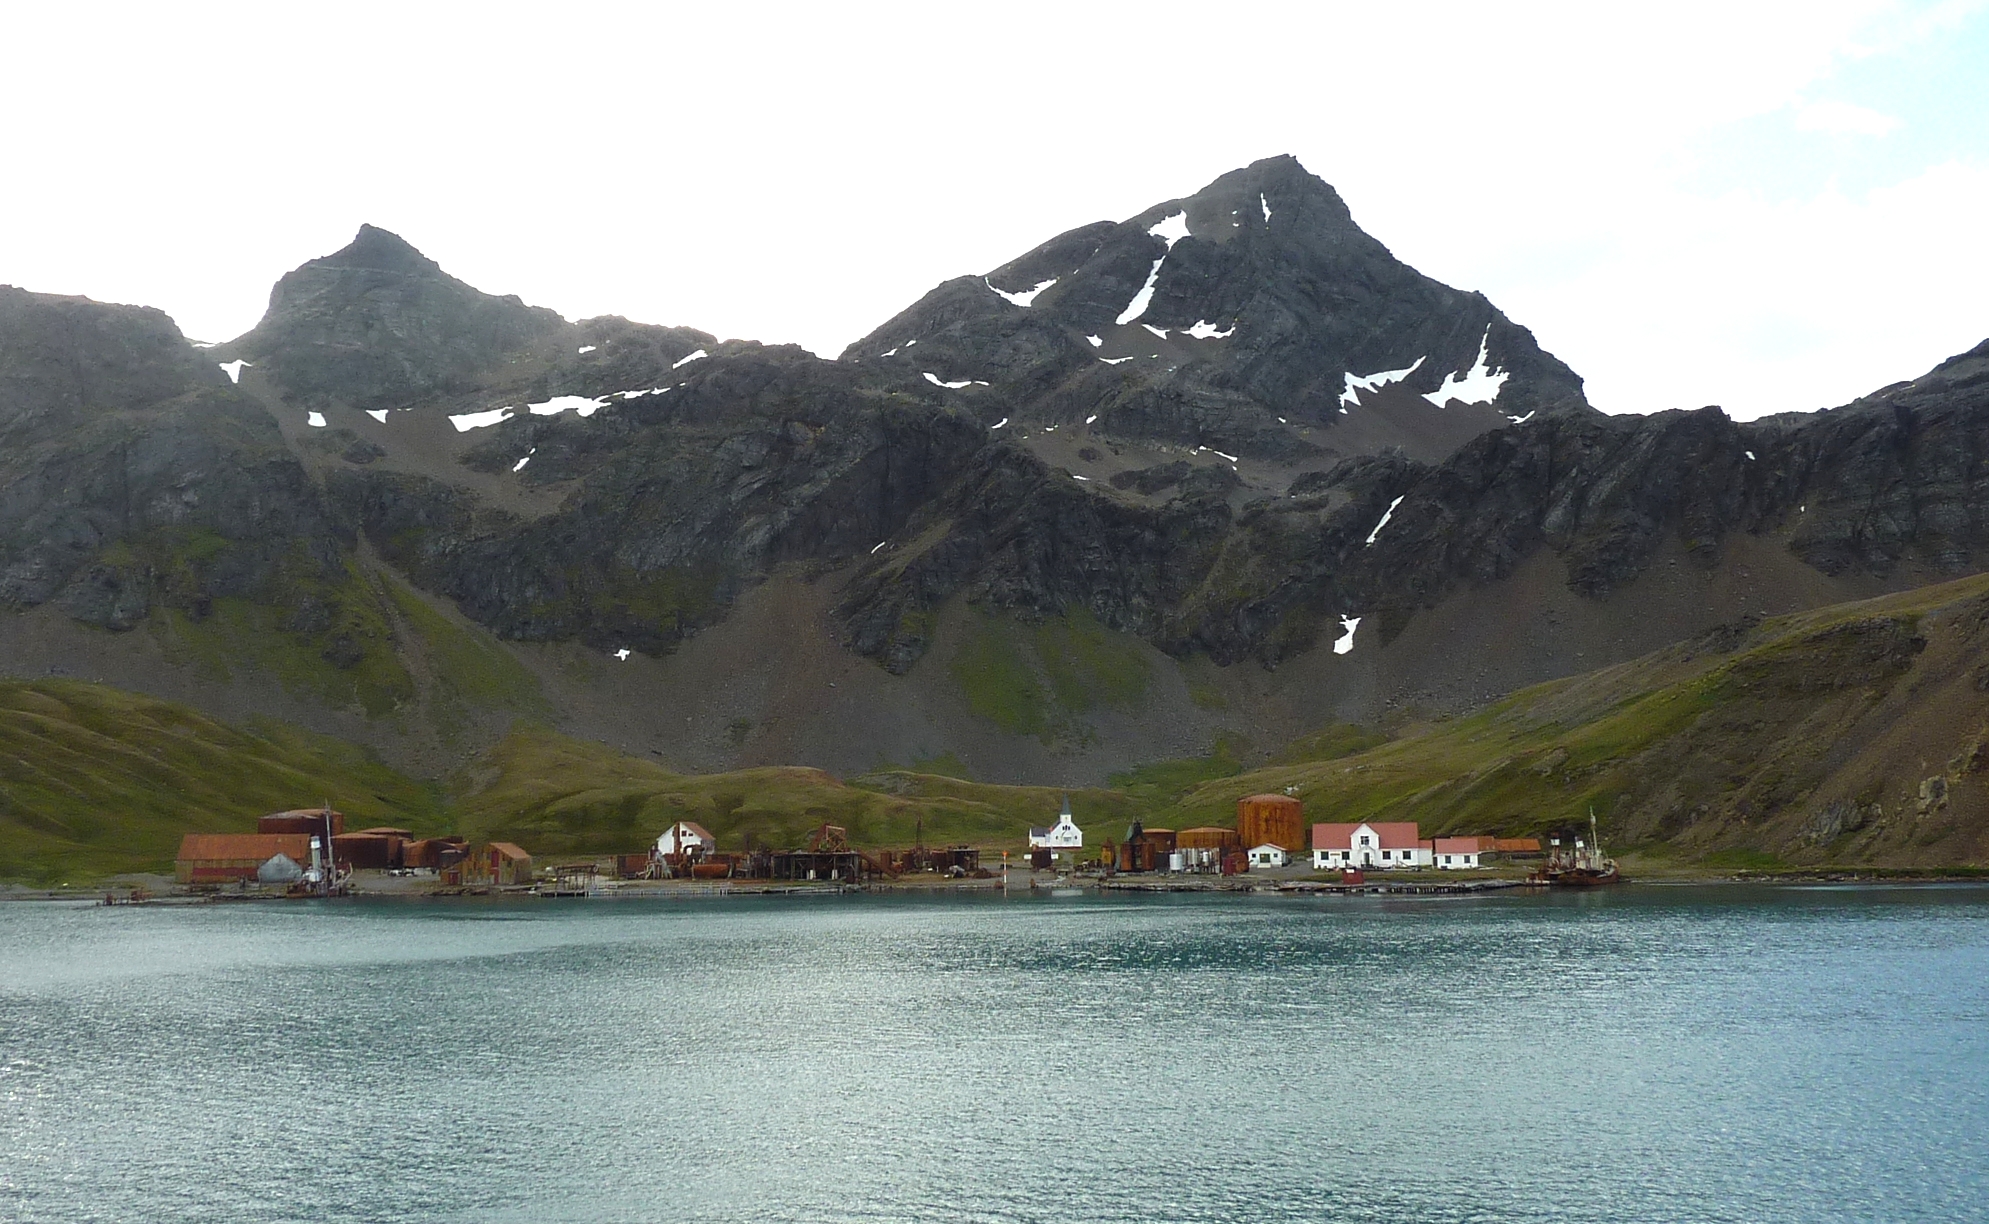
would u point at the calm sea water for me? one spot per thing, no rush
(1718, 1053)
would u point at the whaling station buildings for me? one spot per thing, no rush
(309, 849)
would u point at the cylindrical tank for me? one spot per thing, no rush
(1208, 837)
(1174, 861)
(1277, 819)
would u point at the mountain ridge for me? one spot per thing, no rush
(987, 535)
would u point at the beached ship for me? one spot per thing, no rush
(1586, 866)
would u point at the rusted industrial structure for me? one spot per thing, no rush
(434, 853)
(320, 822)
(828, 857)
(225, 858)
(1276, 820)
(375, 849)
(946, 860)
(1145, 849)
(498, 864)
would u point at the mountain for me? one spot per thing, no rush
(416, 516)
(1253, 317)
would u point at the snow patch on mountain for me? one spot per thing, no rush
(233, 369)
(700, 355)
(1357, 383)
(1023, 299)
(1345, 644)
(315, 420)
(466, 421)
(1171, 230)
(1385, 516)
(1478, 385)
(1205, 330)
(378, 414)
(581, 405)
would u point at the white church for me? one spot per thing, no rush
(1063, 835)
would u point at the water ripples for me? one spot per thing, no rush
(1648, 1054)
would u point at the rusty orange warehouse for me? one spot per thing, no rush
(1277, 819)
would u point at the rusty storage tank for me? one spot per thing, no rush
(1208, 837)
(1278, 819)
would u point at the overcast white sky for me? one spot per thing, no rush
(1767, 206)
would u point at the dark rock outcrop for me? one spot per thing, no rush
(1269, 296)
(380, 325)
(132, 471)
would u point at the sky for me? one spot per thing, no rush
(1766, 206)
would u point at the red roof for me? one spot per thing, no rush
(1388, 835)
(510, 851)
(1516, 845)
(1465, 845)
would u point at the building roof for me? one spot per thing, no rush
(510, 851)
(697, 830)
(1273, 800)
(386, 831)
(1270, 846)
(1517, 845)
(1388, 835)
(1464, 845)
(236, 847)
(316, 813)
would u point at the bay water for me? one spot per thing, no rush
(1645, 1053)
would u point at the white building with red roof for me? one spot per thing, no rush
(1380, 845)
(1461, 853)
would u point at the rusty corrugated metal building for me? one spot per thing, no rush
(221, 858)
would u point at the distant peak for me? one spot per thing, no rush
(385, 250)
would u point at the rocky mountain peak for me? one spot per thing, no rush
(382, 251)
(380, 325)
(1253, 316)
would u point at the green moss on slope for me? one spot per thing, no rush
(1040, 680)
(95, 781)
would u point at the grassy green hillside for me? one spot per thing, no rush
(95, 781)
(1852, 734)
(559, 796)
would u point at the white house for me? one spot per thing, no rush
(1063, 835)
(1382, 845)
(1461, 853)
(686, 838)
(1270, 854)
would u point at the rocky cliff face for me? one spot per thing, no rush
(1866, 488)
(1238, 317)
(1231, 431)
(380, 325)
(133, 472)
